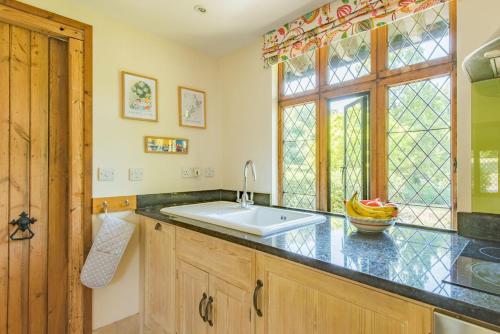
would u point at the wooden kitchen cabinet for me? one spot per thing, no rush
(183, 266)
(192, 296)
(295, 300)
(159, 277)
(232, 311)
(221, 271)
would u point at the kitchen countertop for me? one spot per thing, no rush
(407, 261)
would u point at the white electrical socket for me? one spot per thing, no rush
(209, 172)
(135, 174)
(187, 172)
(105, 174)
(196, 172)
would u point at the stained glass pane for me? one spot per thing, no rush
(299, 156)
(419, 38)
(349, 58)
(299, 74)
(419, 151)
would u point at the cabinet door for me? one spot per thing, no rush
(296, 299)
(192, 285)
(159, 301)
(232, 308)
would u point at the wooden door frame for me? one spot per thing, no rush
(80, 232)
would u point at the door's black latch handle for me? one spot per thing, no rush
(23, 224)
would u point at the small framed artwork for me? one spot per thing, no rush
(192, 108)
(154, 144)
(139, 97)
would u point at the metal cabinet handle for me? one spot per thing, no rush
(255, 295)
(209, 311)
(200, 307)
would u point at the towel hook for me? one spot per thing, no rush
(105, 207)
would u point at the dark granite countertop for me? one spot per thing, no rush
(407, 261)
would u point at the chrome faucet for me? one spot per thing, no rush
(244, 200)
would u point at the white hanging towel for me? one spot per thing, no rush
(106, 252)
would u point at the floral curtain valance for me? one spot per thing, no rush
(336, 20)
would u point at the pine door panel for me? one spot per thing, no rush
(19, 175)
(4, 171)
(39, 132)
(57, 301)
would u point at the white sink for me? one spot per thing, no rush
(256, 219)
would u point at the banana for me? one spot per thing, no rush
(372, 212)
(350, 210)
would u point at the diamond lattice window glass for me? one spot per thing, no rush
(419, 151)
(299, 74)
(299, 156)
(419, 38)
(349, 58)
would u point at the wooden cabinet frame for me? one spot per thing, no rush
(79, 37)
(375, 84)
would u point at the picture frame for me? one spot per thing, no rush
(192, 107)
(139, 97)
(168, 145)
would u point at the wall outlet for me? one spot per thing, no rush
(105, 174)
(135, 174)
(187, 172)
(196, 172)
(209, 172)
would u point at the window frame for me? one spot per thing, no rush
(376, 84)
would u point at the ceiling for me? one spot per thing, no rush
(227, 25)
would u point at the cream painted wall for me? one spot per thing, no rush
(118, 143)
(242, 73)
(248, 100)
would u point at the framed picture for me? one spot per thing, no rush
(192, 108)
(154, 144)
(139, 97)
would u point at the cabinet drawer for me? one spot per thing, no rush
(231, 262)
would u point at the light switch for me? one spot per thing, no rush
(105, 174)
(135, 174)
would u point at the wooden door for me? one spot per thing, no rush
(41, 150)
(295, 299)
(159, 290)
(232, 308)
(192, 290)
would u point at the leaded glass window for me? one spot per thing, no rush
(299, 74)
(349, 58)
(419, 38)
(299, 156)
(419, 151)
